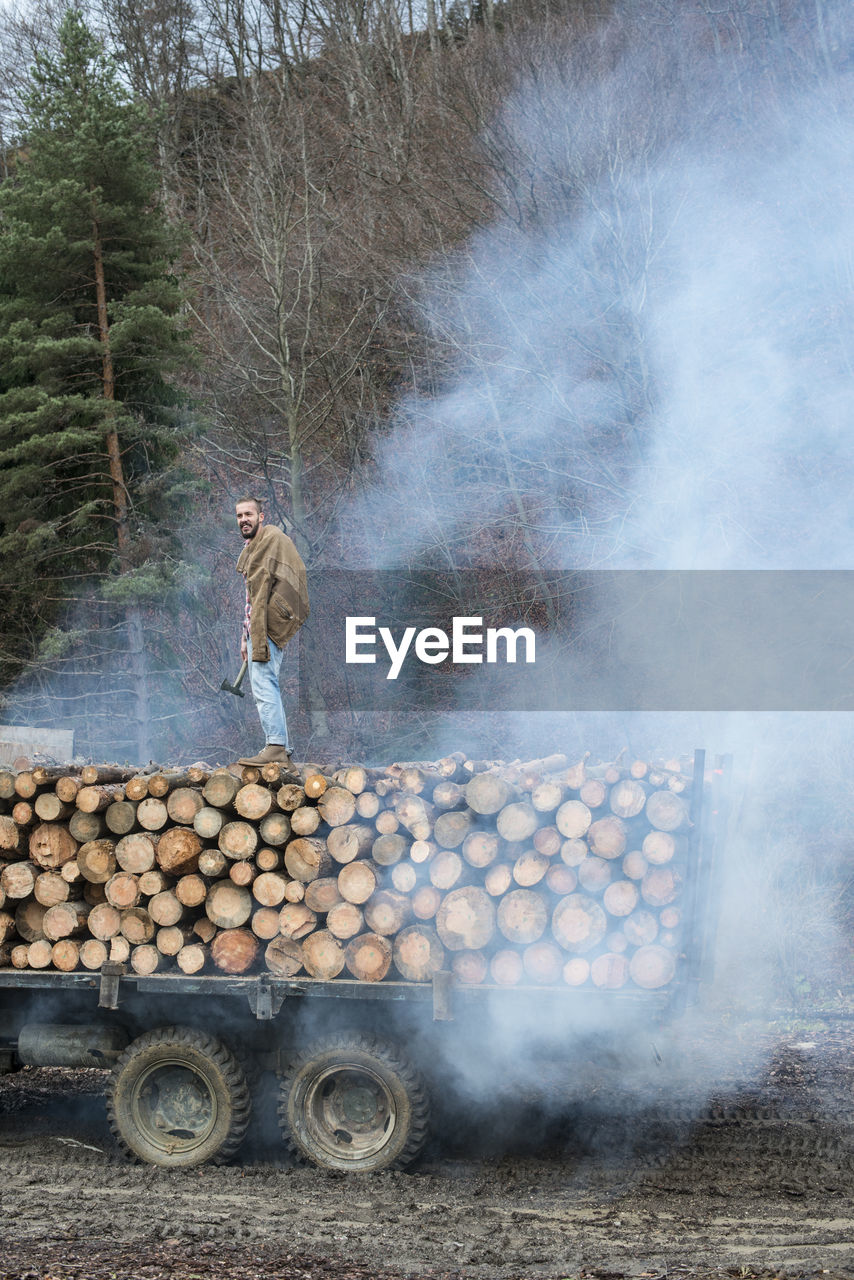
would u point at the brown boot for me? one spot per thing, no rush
(272, 754)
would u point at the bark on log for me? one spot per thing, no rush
(122, 890)
(136, 788)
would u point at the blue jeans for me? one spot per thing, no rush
(264, 679)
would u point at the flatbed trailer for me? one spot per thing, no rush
(357, 1061)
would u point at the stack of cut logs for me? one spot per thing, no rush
(546, 873)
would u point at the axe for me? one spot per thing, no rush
(235, 688)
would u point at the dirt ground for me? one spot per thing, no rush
(760, 1184)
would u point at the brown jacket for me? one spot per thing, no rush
(278, 592)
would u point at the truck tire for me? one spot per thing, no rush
(178, 1098)
(354, 1103)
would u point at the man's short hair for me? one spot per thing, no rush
(247, 498)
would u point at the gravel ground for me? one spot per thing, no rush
(758, 1185)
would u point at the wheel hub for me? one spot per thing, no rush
(350, 1111)
(175, 1103)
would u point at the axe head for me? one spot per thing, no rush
(235, 688)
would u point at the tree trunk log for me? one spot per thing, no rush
(227, 905)
(368, 957)
(466, 919)
(234, 950)
(323, 955)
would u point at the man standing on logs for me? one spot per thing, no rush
(276, 608)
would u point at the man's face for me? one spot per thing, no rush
(249, 519)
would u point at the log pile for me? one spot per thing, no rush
(543, 873)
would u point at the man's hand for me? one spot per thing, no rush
(244, 650)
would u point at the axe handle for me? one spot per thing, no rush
(241, 675)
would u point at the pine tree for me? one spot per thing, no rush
(90, 334)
